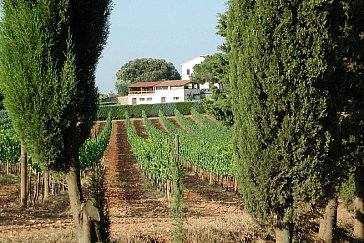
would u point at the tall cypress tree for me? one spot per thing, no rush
(49, 52)
(283, 68)
(353, 125)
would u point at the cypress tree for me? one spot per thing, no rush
(283, 63)
(353, 112)
(49, 52)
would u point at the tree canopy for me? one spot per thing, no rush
(144, 70)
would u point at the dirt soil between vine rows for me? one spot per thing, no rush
(138, 211)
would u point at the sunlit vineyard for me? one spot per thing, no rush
(205, 147)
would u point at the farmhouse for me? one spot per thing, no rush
(163, 92)
(187, 70)
(187, 67)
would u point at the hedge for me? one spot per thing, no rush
(118, 111)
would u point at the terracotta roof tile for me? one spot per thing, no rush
(173, 83)
(144, 84)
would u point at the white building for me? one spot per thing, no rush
(187, 67)
(163, 92)
(187, 70)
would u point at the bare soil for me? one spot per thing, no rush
(138, 211)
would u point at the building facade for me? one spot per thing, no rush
(187, 67)
(163, 92)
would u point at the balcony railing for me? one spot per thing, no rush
(140, 92)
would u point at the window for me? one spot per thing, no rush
(162, 87)
(188, 72)
(149, 99)
(141, 99)
(175, 98)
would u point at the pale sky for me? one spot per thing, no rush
(174, 30)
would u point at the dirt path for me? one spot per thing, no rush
(139, 211)
(136, 209)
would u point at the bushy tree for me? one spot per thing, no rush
(284, 69)
(144, 70)
(49, 52)
(215, 69)
(211, 70)
(122, 87)
(219, 106)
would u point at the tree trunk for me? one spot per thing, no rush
(359, 204)
(46, 186)
(328, 222)
(284, 233)
(23, 177)
(80, 219)
(36, 187)
(29, 186)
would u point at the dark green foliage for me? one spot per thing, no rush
(1, 102)
(144, 70)
(89, 29)
(219, 106)
(38, 82)
(353, 112)
(49, 86)
(284, 65)
(118, 111)
(347, 193)
(353, 116)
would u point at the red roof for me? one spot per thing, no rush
(144, 84)
(173, 83)
(160, 83)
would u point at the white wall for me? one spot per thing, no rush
(170, 95)
(189, 66)
(140, 98)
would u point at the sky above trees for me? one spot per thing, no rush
(173, 30)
